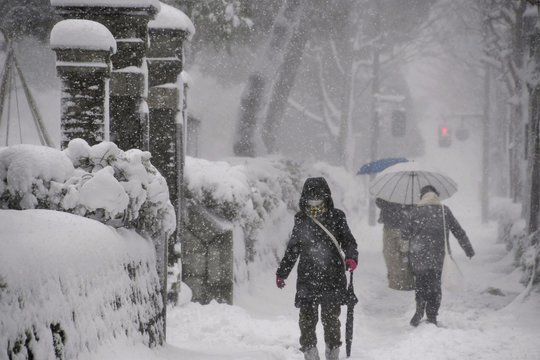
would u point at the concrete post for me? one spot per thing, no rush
(83, 52)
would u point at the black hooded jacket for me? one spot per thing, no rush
(321, 275)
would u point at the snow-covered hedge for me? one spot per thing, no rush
(122, 294)
(71, 284)
(513, 232)
(259, 196)
(100, 182)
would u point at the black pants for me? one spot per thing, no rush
(308, 318)
(427, 287)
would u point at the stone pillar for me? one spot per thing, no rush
(167, 34)
(128, 22)
(83, 63)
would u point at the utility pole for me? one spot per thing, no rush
(375, 88)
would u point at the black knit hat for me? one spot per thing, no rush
(426, 189)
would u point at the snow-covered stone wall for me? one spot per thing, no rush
(69, 284)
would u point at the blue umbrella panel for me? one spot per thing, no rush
(377, 166)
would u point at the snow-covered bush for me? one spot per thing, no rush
(70, 284)
(103, 183)
(100, 182)
(259, 196)
(512, 230)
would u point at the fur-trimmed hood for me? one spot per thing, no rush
(429, 198)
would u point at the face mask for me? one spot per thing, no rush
(315, 208)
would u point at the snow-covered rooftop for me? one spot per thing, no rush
(108, 3)
(171, 18)
(82, 34)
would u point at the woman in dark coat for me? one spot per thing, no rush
(426, 237)
(321, 271)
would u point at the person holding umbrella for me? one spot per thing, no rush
(427, 231)
(392, 215)
(323, 243)
(395, 249)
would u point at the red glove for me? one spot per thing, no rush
(351, 264)
(280, 283)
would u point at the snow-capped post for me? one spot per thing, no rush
(167, 34)
(83, 63)
(128, 21)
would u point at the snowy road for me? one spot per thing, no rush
(476, 324)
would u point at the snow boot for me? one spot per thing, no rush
(419, 314)
(332, 354)
(311, 354)
(432, 320)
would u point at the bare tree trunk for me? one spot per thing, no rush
(485, 144)
(534, 159)
(345, 140)
(534, 137)
(499, 144)
(284, 83)
(269, 59)
(517, 121)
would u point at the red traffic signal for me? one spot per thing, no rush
(445, 136)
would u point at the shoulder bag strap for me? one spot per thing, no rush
(446, 242)
(334, 240)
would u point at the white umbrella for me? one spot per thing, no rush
(401, 183)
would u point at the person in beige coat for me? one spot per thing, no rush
(395, 250)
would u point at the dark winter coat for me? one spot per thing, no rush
(393, 215)
(426, 236)
(321, 275)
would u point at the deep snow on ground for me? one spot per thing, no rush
(262, 324)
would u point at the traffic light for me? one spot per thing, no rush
(399, 123)
(445, 136)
